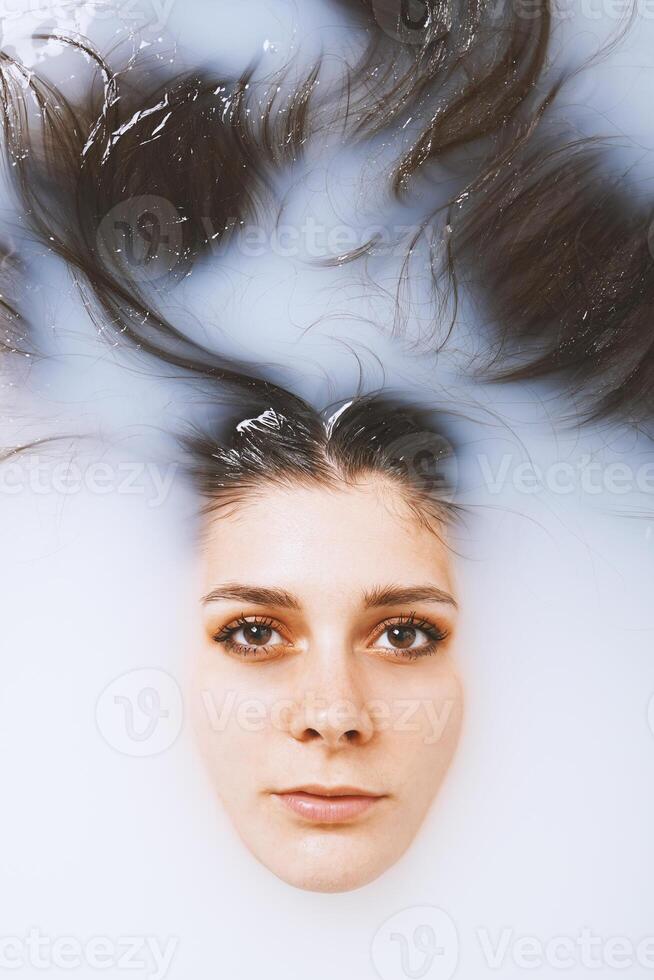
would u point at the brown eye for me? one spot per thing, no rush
(410, 636)
(251, 636)
(401, 637)
(255, 635)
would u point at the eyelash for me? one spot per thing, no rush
(226, 634)
(435, 634)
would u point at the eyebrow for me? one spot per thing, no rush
(388, 595)
(258, 595)
(391, 595)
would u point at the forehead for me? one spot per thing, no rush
(326, 537)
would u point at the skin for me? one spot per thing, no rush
(320, 695)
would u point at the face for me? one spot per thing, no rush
(325, 692)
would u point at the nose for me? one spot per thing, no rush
(336, 724)
(331, 710)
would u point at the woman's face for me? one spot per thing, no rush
(326, 697)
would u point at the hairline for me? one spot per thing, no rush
(432, 515)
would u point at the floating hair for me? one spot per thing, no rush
(560, 252)
(131, 182)
(470, 69)
(13, 325)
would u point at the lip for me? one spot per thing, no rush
(328, 804)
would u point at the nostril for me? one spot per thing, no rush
(310, 734)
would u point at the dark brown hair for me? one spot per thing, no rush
(179, 160)
(287, 442)
(556, 252)
(466, 71)
(13, 327)
(559, 252)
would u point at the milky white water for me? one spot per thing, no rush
(544, 828)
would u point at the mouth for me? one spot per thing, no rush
(328, 805)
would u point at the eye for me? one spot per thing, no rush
(409, 636)
(252, 636)
(255, 635)
(402, 637)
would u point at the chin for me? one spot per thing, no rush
(327, 879)
(317, 865)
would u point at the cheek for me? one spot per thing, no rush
(213, 702)
(231, 743)
(424, 729)
(233, 708)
